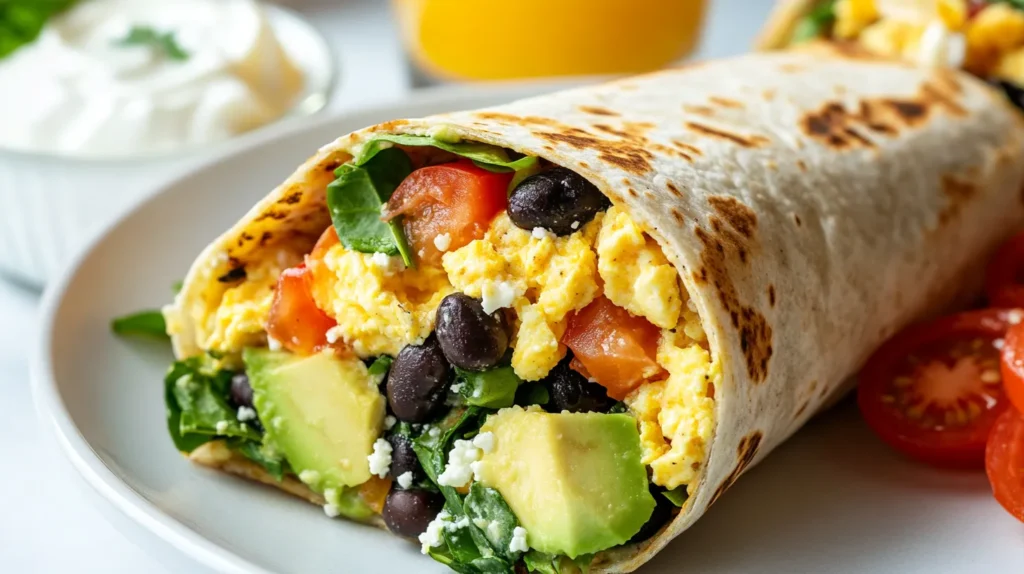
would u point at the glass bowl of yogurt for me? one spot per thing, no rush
(115, 96)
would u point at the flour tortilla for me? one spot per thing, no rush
(814, 203)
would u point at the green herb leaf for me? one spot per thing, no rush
(816, 24)
(262, 454)
(200, 397)
(483, 503)
(149, 323)
(676, 496)
(21, 21)
(355, 200)
(494, 388)
(487, 156)
(162, 43)
(183, 442)
(532, 394)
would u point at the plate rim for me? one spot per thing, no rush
(50, 407)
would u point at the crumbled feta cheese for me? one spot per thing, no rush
(310, 477)
(497, 295)
(999, 344)
(222, 427)
(246, 413)
(331, 495)
(475, 467)
(389, 265)
(434, 432)
(334, 334)
(461, 523)
(273, 344)
(941, 47)
(331, 510)
(518, 543)
(443, 241)
(575, 225)
(541, 233)
(390, 422)
(1015, 316)
(431, 537)
(459, 471)
(484, 441)
(380, 458)
(405, 479)
(457, 387)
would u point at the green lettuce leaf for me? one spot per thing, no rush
(262, 454)
(355, 200)
(149, 323)
(487, 156)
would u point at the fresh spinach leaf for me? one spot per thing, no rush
(200, 401)
(544, 563)
(182, 441)
(432, 448)
(21, 21)
(676, 496)
(487, 156)
(162, 43)
(532, 394)
(380, 366)
(618, 408)
(494, 388)
(355, 199)
(816, 23)
(262, 454)
(149, 323)
(487, 505)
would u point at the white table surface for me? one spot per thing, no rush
(47, 522)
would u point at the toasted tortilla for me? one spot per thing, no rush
(813, 202)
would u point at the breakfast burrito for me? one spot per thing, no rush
(984, 37)
(547, 336)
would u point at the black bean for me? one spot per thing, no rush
(408, 512)
(417, 381)
(470, 338)
(241, 391)
(559, 200)
(664, 510)
(403, 458)
(571, 391)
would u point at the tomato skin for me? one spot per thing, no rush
(295, 320)
(456, 198)
(958, 444)
(1004, 462)
(1012, 365)
(1003, 284)
(612, 347)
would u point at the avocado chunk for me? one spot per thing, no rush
(574, 480)
(322, 412)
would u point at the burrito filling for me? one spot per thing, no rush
(984, 37)
(481, 349)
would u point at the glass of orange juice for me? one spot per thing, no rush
(494, 40)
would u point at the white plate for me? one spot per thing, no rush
(832, 500)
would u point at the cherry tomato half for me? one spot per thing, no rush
(1004, 462)
(458, 199)
(295, 320)
(612, 347)
(1013, 365)
(934, 390)
(1004, 277)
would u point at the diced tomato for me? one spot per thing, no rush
(458, 199)
(295, 320)
(1004, 278)
(374, 491)
(1004, 462)
(1013, 365)
(934, 390)
(612, 347)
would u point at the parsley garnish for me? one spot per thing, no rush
(161, 42)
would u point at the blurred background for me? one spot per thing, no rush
(104, 101)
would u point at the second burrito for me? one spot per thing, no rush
(549, 335)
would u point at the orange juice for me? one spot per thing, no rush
(493, 40)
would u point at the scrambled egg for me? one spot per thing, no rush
(241, 316)
(548, 276)
(991, 43)
(379, 309)
(636, 275)
(677, 415)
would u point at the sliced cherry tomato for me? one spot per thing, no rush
(458, 199)
(1004, 462)
(295, 320)
(1013, 365)
(1004, 278)
(374, 491)
(934, 390)
(612, 347)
